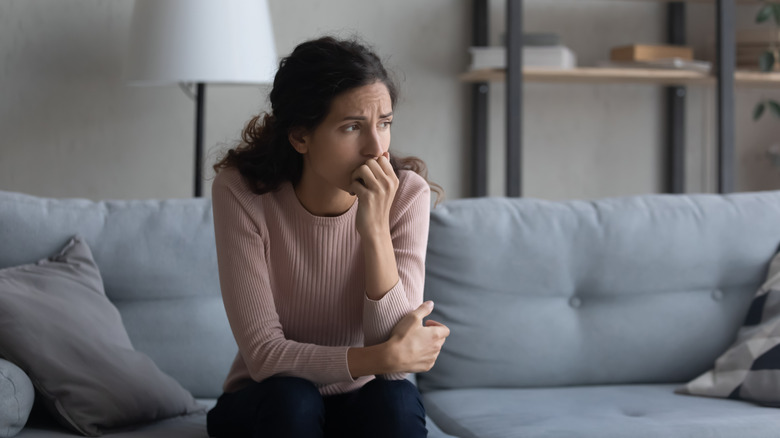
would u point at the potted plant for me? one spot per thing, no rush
(771, 55)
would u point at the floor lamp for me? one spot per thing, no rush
(195, 42)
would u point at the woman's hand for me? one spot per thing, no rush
(375, 184)
(414, 347)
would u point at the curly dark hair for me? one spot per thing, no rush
(304, 86)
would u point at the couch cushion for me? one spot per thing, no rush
(57, 324)
(16, 398)
(189, 426)
(159, 266)
(596, 412)
(643, 289)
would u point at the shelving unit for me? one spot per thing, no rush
(599, 75)
(725, 79)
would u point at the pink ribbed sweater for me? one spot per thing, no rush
(293, 284)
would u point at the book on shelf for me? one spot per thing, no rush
(703, 67)
(649, 52)
(552, 57)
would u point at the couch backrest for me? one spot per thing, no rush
(642, 289)
(158, 263)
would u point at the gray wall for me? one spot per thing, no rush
(71, 128)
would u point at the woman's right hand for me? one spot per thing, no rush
(415, 346)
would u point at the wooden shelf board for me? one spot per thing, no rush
(629, 75)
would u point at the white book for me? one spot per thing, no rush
(553, 57)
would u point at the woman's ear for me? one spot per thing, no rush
(298, 140)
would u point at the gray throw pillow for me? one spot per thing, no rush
(16, 399)
(750, 368)
(57, 324)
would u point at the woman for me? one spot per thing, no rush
(321, 239)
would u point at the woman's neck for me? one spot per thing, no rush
(322, 199)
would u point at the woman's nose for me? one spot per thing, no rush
(372, 146)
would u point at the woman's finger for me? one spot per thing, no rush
(376, 169)
(423, 309)
(384, 173)
(367, 177)
(384, 162)
(441, 329)
(357, 188)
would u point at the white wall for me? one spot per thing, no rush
(69, 126)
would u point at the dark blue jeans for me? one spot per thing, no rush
(293, 407)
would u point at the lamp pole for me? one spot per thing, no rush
(200, 97)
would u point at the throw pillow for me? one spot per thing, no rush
(57, 324)
(750, 368)
(16, 399)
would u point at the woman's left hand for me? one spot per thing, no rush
(375, 194)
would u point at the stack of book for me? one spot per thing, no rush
(656, 56)
(540, 50)
(752, 43)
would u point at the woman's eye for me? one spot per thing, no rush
(351, 128)
(386, 124)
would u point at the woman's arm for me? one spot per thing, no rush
(393, 223)
(376, 184)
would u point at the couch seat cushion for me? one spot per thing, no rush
(187, 426)
(636, 411)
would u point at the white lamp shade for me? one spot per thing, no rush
(210, 41)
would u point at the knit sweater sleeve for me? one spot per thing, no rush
(409, 222)
(248, 299)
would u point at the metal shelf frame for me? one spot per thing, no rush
(675, 97)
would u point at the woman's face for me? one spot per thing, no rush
(356, 129)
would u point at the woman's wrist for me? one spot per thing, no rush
(376, 359)
(380, 264)
(375, 234)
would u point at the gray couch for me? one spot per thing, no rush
(569, 319)
(158, 264)
(579, 319)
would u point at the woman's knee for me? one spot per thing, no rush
(393, 407)
(291, 396)
(400, 392)
(279, 406)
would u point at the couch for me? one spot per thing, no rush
(158, 265)
(582, 318)
(568, 319)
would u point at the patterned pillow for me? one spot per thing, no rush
(750, 368)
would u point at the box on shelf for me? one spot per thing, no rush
(553, 57)
(650, 52)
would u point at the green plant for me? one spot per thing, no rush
(771, 55)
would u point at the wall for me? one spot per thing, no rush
(71, 127)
